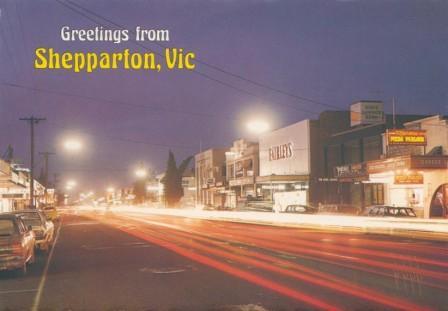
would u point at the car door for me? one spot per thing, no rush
(27, 237)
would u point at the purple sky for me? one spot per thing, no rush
(335, 52)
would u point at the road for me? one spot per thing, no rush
(107, 261)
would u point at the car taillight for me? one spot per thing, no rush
(17, 248)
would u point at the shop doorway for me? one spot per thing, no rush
(439, 202)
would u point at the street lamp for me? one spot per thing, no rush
(110, 189)
(141, 173)
(72, 144)
(258, 126)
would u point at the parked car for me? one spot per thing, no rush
(390, 211)
(300, 209)
(42, 228)
(51, 213)
(16, 243)
(284, 199)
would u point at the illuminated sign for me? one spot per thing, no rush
(406, 137)
(392, 164)
(407, 179)
(351, 173)
(279, 152)
(429, 162)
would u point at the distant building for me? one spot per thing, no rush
(189, 188)
(242, 163)
(14, 188)
(210, 171)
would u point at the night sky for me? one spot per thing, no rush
(333, 52)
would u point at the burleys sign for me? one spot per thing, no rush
(279, 152)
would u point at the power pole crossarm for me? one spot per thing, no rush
(32, 121)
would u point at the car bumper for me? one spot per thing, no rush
(11, 262)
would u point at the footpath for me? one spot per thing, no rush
(433, 229)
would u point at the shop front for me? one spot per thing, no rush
(285, 162)
(355, 190)
(242, 163)
(413, 181)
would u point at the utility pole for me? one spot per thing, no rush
(46, 155)
(32, 121)
(393, 112)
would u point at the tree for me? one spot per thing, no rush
(172, 181)
(8, 156)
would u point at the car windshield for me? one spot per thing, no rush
(6, 227)
(31, 219)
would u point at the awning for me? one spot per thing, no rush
(281, 179)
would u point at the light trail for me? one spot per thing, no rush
(249, 257)
(315, 277)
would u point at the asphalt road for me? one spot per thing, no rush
(133, 262)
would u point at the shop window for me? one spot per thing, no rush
(249, 167)
(239, 169)
(373, 194)
(439, 202)
(231, 171)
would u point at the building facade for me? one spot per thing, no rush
(14, 188)
(242, 164)
(408, 167)
(210, 172)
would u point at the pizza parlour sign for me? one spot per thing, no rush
(279, 152)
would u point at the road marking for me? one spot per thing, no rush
(163, 271)
(5, 292)
(40, 289)
(96, 248)
(83, 223)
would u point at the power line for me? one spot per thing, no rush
(114, 102)
(219, 69)
(202, 74)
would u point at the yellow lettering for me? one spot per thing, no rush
(40, 55)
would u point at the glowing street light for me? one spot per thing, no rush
(258, 126)
(72, 145)
(71, 183)
(110, 189)
(141, 173)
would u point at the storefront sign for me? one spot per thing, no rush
(279, 152)
(406, 137)
(429, 162)
(351, 173)
(407, 179)
(393, 164)
(12, 195)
